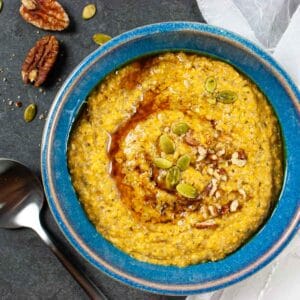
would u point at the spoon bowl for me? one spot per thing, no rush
(21, 201)
(20, 191)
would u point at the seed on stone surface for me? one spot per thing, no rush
(89, 11)
(30, 113)
(101, 38)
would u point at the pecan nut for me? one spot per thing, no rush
(239, 158)
(234, 205)
(225, 209)
(40, 60)
(211, 223)
(45, 14)
(190, 140)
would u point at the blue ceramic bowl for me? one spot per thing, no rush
(203, 39)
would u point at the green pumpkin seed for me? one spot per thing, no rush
(180, 128)
(89, 11)
(30, 113)
(162, 163)
(226, 97)
(186, 190)
(172, 177)
(166, 144)
(210, 84)
(1, 4)
(183, 162)
(101, 38)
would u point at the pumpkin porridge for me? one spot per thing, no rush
(176, 159)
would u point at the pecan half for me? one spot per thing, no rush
(39, 61)
(45, 14)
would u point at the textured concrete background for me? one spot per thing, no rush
(28, 270)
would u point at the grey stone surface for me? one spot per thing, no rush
(28, 270)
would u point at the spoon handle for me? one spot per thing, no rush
(89, 287)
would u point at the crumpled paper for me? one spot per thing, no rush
(272, 24)
(275, 26)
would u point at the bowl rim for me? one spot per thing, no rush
(48, 135)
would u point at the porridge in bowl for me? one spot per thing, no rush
(176, 159)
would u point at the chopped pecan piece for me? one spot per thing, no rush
(219, 174)
(217, 195)
(242, 154)
(242, 192)
(210, 171)
(202, 152)
(213, 123)
(225, 209)
(223, 177)
(239, 159)
(45, 14)
(204, 211)
(213, 157)
(40, 60)
(211, 151)
(190, 140)
(218, 207)
(211, 223)
(213, 210)
(222, 171)
(234, 206)
(221, 152)
(213, 187)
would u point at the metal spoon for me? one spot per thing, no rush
(21, 201)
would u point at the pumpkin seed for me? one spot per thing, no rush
(226, 97)
(101, 38)
(89, 11)
(166, 144)
(210, 84)
(162, 163)
(1, 4)
(186, 190)
(183, 162)
(172, 177)
(180, 128)
(30, 113)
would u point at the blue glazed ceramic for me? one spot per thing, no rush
(70, 216)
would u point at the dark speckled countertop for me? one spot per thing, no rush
(28, 270)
